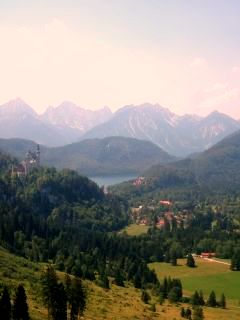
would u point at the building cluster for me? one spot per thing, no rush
(139, 181)
(32, 160)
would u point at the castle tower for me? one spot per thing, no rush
(38, 156)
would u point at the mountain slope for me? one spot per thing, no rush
(216, 169)
(177, 135)
(114, 155)
(212, 173)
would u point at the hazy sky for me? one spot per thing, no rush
(183, 54)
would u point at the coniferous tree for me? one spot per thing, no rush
(195, 299)
(119, 278)
(164, 288)
(201, 298)
(145, 296)
(49, 284)
(173, 258)
(104, 282)
(198, 313)
(20, 306)
(212, 302)
(235, 261)
(60, 301)
(5, 304)
(182, 314)
(222, 302)
(77, 300)
(188, 314)
(190, 261)
(137, 281)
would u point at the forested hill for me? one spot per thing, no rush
(113, 155)
(215, 171)
(66, 218)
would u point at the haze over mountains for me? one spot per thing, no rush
(67, 123)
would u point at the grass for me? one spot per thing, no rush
(135, 229)
(206, 276)
(115, 304)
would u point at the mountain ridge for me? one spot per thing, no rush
(69, 123)
(109, 156)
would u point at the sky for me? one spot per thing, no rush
(182, 54)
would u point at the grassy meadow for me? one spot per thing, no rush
(207, 276)
(135, 229)
(119, 303)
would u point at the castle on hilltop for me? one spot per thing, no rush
(32, 160)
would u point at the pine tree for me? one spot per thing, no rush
(137, 281)
(195, 299)
(60, 300)
(188, 314)
(145, 297)
(222, 302)
(49, 283)
(190, 261)
(119, 278)
(104, 282)
(201, 298)
(173, 258)
(164, 288)
(77, 299)
(198, 313)
(212, 302)
(182, 314)
(5, 305)
(20, 306)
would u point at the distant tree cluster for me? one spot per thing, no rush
(197, 299)
(171, 289)
(18, 310)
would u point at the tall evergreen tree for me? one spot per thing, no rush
(182, 314)
(77, 300)
(201, 298)
(119, 278)
(198, 313)
(20, 306)
(145, 296)
(60, 303)
(195, 299)
(212, 302)
(5, 305)
(49, 284)
(188, 314)
(190, 261)
(222, 302)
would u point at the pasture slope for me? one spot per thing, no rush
(115, 304)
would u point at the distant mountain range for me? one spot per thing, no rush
(108, 156)
(67, 123)
(57, 126)
(178, 135)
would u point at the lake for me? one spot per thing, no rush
(111, 180)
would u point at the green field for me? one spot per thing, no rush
(135, 229)
(206, 276)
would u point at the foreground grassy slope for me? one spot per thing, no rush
(115, 304)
